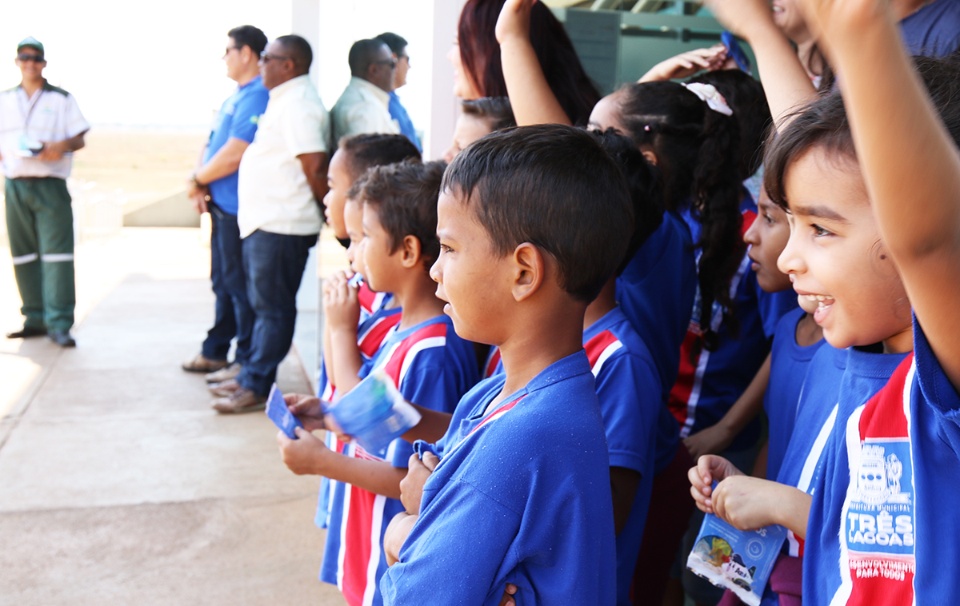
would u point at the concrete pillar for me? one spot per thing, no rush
(443, 105)
(305, 21)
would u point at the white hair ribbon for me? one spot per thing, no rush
(709, 94)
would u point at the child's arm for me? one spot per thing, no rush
(623, 485)
(327, 348)
(717, 437)
(687, 64)
(745, 502)
(309, 455)
(432, 426)
(396, 534)
(530, 95)
(749, 503)
(909, 162)
(342, 311)
(784, 79)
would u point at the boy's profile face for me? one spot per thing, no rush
(767, 236)
(468, 129)
(379, 264)
(470, 276)
(339, 181)
(837, 259)
(353, 220)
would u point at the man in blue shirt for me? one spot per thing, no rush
(398, 46)
(213, 189)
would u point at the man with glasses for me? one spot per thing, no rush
(364, 105)
(398, 46)
(40, 128)
(213, 189)
(283, 175)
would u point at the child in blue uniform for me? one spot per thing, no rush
(540, 216)
(884, 498)
(422, 354)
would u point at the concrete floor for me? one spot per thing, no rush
(118, 484)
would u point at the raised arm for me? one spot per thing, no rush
(530, 95)
(910, 163)
(784, 80)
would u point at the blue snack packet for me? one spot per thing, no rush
(280, 415)
(374, 412)
(738, 560)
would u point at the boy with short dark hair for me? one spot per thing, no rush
(422, 355)
(532, 223)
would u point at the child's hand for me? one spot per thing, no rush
(709, 468)
(742, 17)
(341, 306)
(305, 455)
(711, 440)
(831, 21)
(687, 64)
(746, 503)
(514, 20)
(308, 409)
(411, 487)
(397, 532)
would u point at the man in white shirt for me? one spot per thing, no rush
(282, 175)
(363, 108)
(40, 128)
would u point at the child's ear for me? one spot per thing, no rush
(649, 154)
(529, 271)
(410, 252)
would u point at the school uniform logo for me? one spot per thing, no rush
(878, 529)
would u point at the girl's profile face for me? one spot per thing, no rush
(767, 236)
(836, 258)
(463, 84)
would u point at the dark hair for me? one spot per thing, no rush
(495, 110)
(396, 42)
(643, 183)
(696, 151)
(248, 35)
(480, 55)
(823, 124)
(405, 196)
(746, 98)
(554, 187)
(300, 51)
(362, 54)
(366, 150)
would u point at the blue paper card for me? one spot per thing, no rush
(280, 415)
(738, 560)
(374, 412)
(735, 51)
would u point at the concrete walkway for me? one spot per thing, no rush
(118, 484)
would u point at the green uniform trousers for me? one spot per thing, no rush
(40, 229)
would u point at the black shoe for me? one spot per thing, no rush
(26, 332)
(62, 338)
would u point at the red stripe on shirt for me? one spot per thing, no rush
(395, 365)
(372, 339)
(599, 344)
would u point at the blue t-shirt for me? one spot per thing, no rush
(884, 508)
(238, 119)
(521, 495)
(399, 113)
(432, 367)
(710, 382)
(934, 30)
(815, 418)
(371, 332)
(656, 291)
(628, 389)
(788, 367)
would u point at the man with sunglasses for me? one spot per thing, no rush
(283, 176)
(364, 105)
(213, 189)
(40, 128)
(398, 46)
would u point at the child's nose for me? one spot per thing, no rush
(435, 272)
(790, 261)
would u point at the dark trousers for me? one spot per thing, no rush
(40, 229)
(273, 264)
(233, 315)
